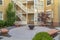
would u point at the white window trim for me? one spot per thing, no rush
(51, 11)
(2, 15)
(50, 4)
(2, 3)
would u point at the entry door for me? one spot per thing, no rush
(30, 18)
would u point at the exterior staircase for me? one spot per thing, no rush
(23, 19)
(21, 16)
(25, 9)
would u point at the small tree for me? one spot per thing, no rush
(44, 17)
(10, 15)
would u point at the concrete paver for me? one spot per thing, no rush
(24, 33)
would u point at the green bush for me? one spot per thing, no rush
(10, 15)
(42, 36)
(2, 23)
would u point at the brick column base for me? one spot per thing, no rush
(55, 24)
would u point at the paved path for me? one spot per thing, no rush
(24, 33)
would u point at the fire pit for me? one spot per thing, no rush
(31, 26)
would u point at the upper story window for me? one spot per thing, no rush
(1, 16)
(0, 2)
(49, 2)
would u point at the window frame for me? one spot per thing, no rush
(51, 12)
(2, 15)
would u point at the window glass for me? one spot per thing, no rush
(32, 18)
(0, 2)
(48, 2)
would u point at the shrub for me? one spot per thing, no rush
(42, 36)
(2, 23)
(9, 22)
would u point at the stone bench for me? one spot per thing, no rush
(53, 32)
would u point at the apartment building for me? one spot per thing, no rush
(28, 11)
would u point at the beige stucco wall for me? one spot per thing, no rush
(54, 8)
(59, 9)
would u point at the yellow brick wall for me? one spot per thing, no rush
(4, 6)
(56, 11)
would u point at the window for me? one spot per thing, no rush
(50, 13)
(48, 2)
(0, 2)
(1, 18)
(50, 17)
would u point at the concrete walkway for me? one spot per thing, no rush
(24, 33)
